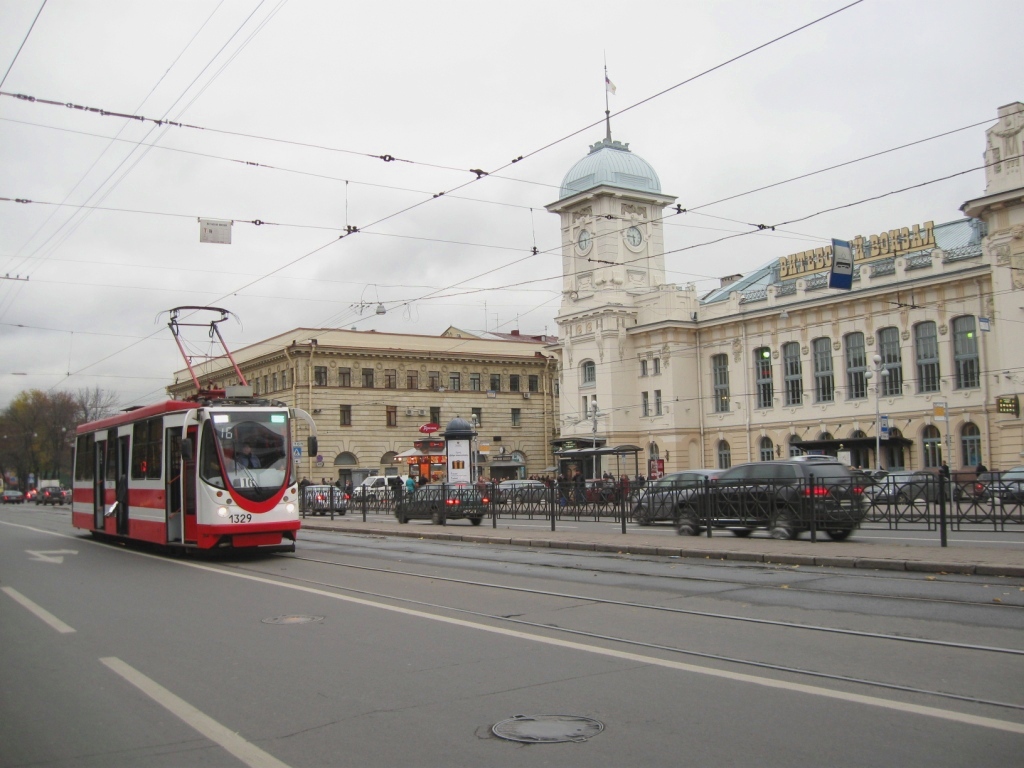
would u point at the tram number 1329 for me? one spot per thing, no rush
(241, 518)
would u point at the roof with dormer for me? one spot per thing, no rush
(610, 163)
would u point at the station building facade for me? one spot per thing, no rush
(370, 393)
(920, 363)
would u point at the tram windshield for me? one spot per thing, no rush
(248, 449)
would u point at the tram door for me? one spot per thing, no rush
(188, 489)
(172, 489)
(98, 487)
(123, 468)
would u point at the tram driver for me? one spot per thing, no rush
(247, 458)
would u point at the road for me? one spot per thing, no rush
(376, 651)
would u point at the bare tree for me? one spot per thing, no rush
(95, 403)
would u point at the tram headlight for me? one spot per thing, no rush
(222, 511)
(290, 508)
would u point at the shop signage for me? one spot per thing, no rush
(427, 429)
(863, 248)
(1008, 405)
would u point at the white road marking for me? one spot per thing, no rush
(245, 751)
(767, 682)
(51, 555)
(39, 611)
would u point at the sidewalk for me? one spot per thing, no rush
(855, 553)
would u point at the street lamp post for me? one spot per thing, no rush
(882, 373)
(594, 413)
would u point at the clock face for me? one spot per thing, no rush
(583, 242)
(634, 237)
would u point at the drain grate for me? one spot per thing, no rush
(547, 729)
(292, 619)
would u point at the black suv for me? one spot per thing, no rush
(782, 496)
(441, 502)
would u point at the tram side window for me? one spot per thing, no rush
(111, 456)
(85, 457)
(147, 449)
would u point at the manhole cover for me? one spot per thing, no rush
(292, 619)
(547, 729)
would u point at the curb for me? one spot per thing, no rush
(625, 548)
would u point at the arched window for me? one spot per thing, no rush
(388, 459)
(856, 366)
(767, 449)
(724, 455)
(720, 379)
(892, 361)
(970, 445)
(965, 353)
(824, 381)
(345, 459)
(860, 454)
(793, 373)
(519, 458)
(794, 450)
(588, 373)
(763, 377)
(926, 350)
(931, 443)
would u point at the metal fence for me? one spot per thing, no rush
(925, 503)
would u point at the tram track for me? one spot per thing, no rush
(630, 642)
(676, 578)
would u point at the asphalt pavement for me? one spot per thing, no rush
(958, 557)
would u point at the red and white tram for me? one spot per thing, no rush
(215, 471)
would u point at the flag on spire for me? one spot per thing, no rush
(609, 85)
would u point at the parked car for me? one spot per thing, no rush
(779, 496)
(659, 500)
(985, 487)
(1011, 486)
(12, 496)
(53, 495)
(904, 486)
(520, 491)
(324, 499)
(378, 487)
(440, 502)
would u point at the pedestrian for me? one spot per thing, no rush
(410, 484)
(944, 471)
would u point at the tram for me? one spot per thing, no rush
(212, 471)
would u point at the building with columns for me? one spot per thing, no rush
(918, 364)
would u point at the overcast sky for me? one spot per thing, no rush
(111, 238)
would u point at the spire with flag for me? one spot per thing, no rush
(609, 87)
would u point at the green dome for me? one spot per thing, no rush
(610, 163)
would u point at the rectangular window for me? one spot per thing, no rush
(513, 382)
(926, 350)
(319, 376)
(147, 449)
(344, 377)
(720, 382)
(474, 382)
(824, 380)
(793, 373)
(657, 402)
(266, 384)
(273, 381)
(965, 353)
(517, 417)
(392, 415)
(256, 385)
(367, 378)
(478, 416)
(892, 361)
(496, 382)
(412, 379)
(643, 367)
(657, 366)
(763, 377)
(533, 383)
(390, 378)
(435, 415)
(454, 381)
(345, 415)
(856, 367)
(645, 404)
(434, 380)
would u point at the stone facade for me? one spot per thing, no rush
(774, 363)
(370, 392)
